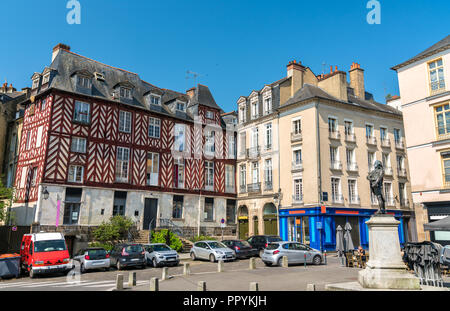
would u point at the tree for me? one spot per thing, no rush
(6, 200)
(115, 230)
(167, 237)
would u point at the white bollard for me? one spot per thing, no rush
(254, 287)
(252, 263)
(201, 286)
(165, 273)
(186, 268)
(132, 279)
(119, 282)
(220, 266)
(311, 287)
(284, 262)
(154, 284)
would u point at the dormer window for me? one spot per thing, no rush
(209, 114)
(242, 114)
(35, 83)
(84, 82)
(181, 106)
(125, 92)
(155, 100)
(46, 78)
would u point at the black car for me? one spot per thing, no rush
(128, 255)
(242, 248)
(260, 242)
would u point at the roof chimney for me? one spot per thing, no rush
(295, 71)
(57, 48)
(191, 92)
(357, 80)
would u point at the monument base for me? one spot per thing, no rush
(355, 286)
(388, 279)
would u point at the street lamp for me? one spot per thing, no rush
(45, 193)
(277, 199)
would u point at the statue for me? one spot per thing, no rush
(376, 185)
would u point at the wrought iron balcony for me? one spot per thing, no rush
(296, 137)
(297, 199)
(268, 185)
(336, 165)
(399, 144)
(371, 140)
(297, 166)
(253, 152)
(350, 137)
(242, 189)
(401, 172)
(352, 167)
(388, 171)
(255, 187)
(386, 143)
(334, 135)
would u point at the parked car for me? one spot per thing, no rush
(260, 242)
(295, 252)
(212, 251)
(445, 256)
(92, 258)
(128, 255)
(242, 248)
(159, 254)
(43, 253)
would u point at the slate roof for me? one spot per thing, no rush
(67, 63)
(442, 45)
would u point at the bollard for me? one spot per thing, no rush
(154, 284)
(254, 287)
(201, 286)
(186, 268)
(284, 262)
(311, 288)
(252, 263)
(304, 256)
(325, 256)
(132, 279)
(220, 266)
(119, 282)
(165, 273)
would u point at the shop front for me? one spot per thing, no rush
(316, 226)
(437, 211)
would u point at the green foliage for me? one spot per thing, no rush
(201, 238)
(161, 237)
(107, 246)
(6, 200)
(113, 231)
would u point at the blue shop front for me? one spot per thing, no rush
(316, 226)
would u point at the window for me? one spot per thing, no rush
(28, 141)
(388, 193)
(242, 114)
(298, 189)
(177, 210)
(371, 160)
(209, 175)
(155, 100)
(336, 189)
(383, 133)
(352, 191)
(297, 154)
(229, 178)
(443, 119)
(125, 92)
(81, 112)
(402, 194)
(254, 110)
(34, 177)
(232, 147)
(154, 128)
(268, 174)
(350, 153)
(397, 136)
(267, 105)
(386, 161)
(125, 121)
(120, 200)
(78, 145)
(152, 168)
(400, 162)
(255, 172)
(369, 131)
(83, 82)
(179, 173)
(209, 209)
(255, 137)
(43, 104)
(72, 206)
(181, 106)
(436, 72)
(446, 166)
(242, 142)
(123, 156)
(231, 211)
(35, 84)
(209, 142)
(209, 114)
(268, 136)
(46, 78)
(243, 175)
(297, 126)
(348, 128)
(179, 137)
(332, 125)
(334, 154)
(75, 173)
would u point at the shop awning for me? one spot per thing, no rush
(439, 225)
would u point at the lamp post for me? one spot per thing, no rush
(277, 199)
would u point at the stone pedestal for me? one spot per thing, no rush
(385, 268)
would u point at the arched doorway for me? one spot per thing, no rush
(255, 225)
(243, 221)
(270, 219)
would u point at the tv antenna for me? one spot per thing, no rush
(194, 75)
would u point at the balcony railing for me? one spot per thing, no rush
(339, 199)
(388, 171)
(242, 189)
(268, 185)
(350, 137)
(352, 167)
(252, 188)
(296, 166)
(334, 135)
(399, 144)
(401, 172)
(297, 199)
(354, 200)
(386, 143)
(336, 165)
(296, 137)
(371, 140)
(253, 152)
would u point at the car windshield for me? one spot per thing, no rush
(273, 239)
(216, 245)
(133, 249)
(49, 246)
(97, 252)
(243, 243)
(161, 248)
(272, 246)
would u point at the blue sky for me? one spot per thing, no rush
(236, 46)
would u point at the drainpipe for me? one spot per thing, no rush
(199, 212)
(279, 174)
(319, 165)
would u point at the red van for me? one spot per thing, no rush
(44, 252)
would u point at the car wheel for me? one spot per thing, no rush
(32, 274)
(280, 261)
(82, 269)
(261, 252)
(106, 269)
(212, 258)
(155, 263)
(317, 260)
(193, 257)
(119, 265)
(269, 264)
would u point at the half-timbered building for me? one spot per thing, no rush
(98, 141)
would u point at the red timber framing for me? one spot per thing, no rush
(102, 140)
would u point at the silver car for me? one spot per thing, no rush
(212, 251)
(92, 258)
(295, 252)
(159, 254)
